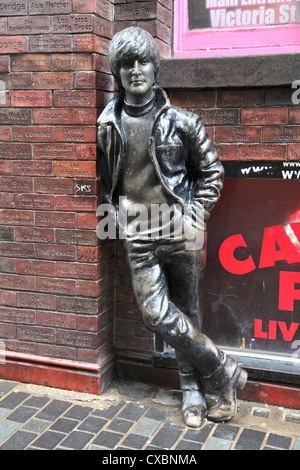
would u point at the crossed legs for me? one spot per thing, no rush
(166, 279)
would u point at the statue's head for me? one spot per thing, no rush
(129, 45)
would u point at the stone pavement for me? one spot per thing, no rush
(132, 416)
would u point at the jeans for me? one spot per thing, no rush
(167, 282)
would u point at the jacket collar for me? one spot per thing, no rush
(112, 112)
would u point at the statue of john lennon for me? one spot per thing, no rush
(154, 155)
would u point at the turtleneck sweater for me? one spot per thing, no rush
(139, 183)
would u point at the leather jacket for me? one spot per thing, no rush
(186, 163)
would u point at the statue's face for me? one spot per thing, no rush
(137, 78)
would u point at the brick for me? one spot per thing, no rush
(88, 6)
(85, 79)
(77, 305)
(3, 23)
(77, 339)
(86, 116)
(75, 134)
(17, 250)
(262, 152)
(17, 282)
(52, 80)
(8, 331)
(89, 288)
(219, 116)
(88, 323)
(264, 116)
(34, 235)
(35, 268)
(50, 43)
(8, 298)
(73, 62)
(75, 169)
(11, 8)
(18, 81)
(75, 203)
(88, 254)
(74, 98)
(227, 151)
(139, 11)
(53, 116)
(33, 168)
(55, 286)
(54, 219)
(294, 116)
(53, 185)
(5, 133)
(5, 167)
(103, 27)
(12, 150)
(77, 270)
(101, 63)
(61, 352)
(54, 151)
(88, 221)
(32, 133)
(16, 184)
(13, 44)
(194, 99)
(105, 9)
(34, 201)
(55, 319)
(6, 200)
(6, 234)
(55, 252)
(30, 99)
(15, 116)
(7, 265)
(293, 152)
(239, 98)
(37, 334)
(238, 134)
(4, 62)
(4, 99)
(50, 8)
(281, 134)
(31, 63)
(13, 217)
(16, 315)
(88, 187)
(84, 43)
(29, 25)
(86, 151)
(36, 300)
(72, 24)
(76, 237)
(278, 96)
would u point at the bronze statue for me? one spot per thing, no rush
(156, 156)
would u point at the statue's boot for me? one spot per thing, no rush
(220, 371)
(223, 383)
(193, 402)
(193, 405)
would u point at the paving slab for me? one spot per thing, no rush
(133, 417)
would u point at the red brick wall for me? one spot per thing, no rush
(56, 280)
(56, 277)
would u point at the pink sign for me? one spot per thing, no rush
(215, 28)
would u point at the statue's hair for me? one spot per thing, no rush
(131, 43)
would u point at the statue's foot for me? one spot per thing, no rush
(193, 408)
(226, 406)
